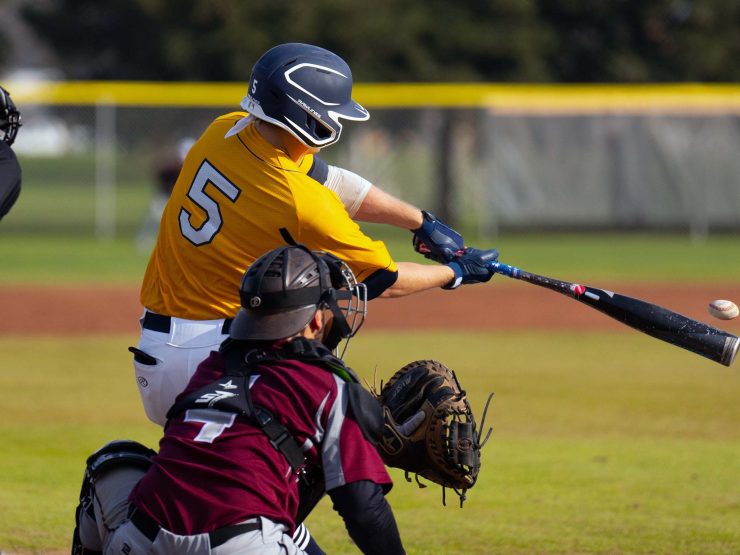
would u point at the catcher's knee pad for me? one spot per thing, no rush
(122, 452)
(85, 540)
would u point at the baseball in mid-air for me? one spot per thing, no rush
(724, 310)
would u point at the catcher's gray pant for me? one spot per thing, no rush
(113, 532)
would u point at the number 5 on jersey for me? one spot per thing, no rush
(204, 234)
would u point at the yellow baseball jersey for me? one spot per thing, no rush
(227, 207)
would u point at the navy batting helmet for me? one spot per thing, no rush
(10, 118)
(304, 89)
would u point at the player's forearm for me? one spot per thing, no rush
(383, 208)
(413, 278)
(368, 518)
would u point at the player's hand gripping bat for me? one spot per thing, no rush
(654, 320)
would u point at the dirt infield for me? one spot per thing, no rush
(27, 310)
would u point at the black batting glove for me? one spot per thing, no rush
(436, 240)
(472, 266)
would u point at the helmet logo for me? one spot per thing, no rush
(308, 108)
(254, 86)
(254, 302)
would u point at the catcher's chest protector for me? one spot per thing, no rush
(365, 408)
(238, 400)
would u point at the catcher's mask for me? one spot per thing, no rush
(306, 90)
(282, 290)
(10, 118)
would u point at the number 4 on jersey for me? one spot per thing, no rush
(212, 224)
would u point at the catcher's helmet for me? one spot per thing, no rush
(10, 118)
(281, 291)
(304, 89)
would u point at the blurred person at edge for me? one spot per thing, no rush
(10, 169)
(166, 171)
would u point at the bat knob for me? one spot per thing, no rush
(731, 347)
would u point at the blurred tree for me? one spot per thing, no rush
(4, 49)
(129, 39)
(708, 46)
(391, 40)
(89, 37)
(643, 40)
(399, 40)
(439, 40)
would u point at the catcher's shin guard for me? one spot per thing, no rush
(83, 510)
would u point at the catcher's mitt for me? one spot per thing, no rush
(429, 427)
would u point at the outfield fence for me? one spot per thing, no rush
(490, 158)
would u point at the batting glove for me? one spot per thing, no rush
(472, 266)
(436, 240)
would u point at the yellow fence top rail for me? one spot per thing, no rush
(506, 98)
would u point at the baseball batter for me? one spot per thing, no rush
(251, 183)
(10, 169)
(269, 413)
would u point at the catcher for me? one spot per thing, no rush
(267, 425)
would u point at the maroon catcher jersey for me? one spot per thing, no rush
(214, 469)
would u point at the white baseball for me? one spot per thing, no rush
(724, 310)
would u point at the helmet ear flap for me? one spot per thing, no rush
(317, 128)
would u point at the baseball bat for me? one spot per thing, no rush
(654, 320)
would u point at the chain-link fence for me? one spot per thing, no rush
(96, 167)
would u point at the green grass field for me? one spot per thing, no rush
(590, 453)
(591, 258)
(603, 443)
